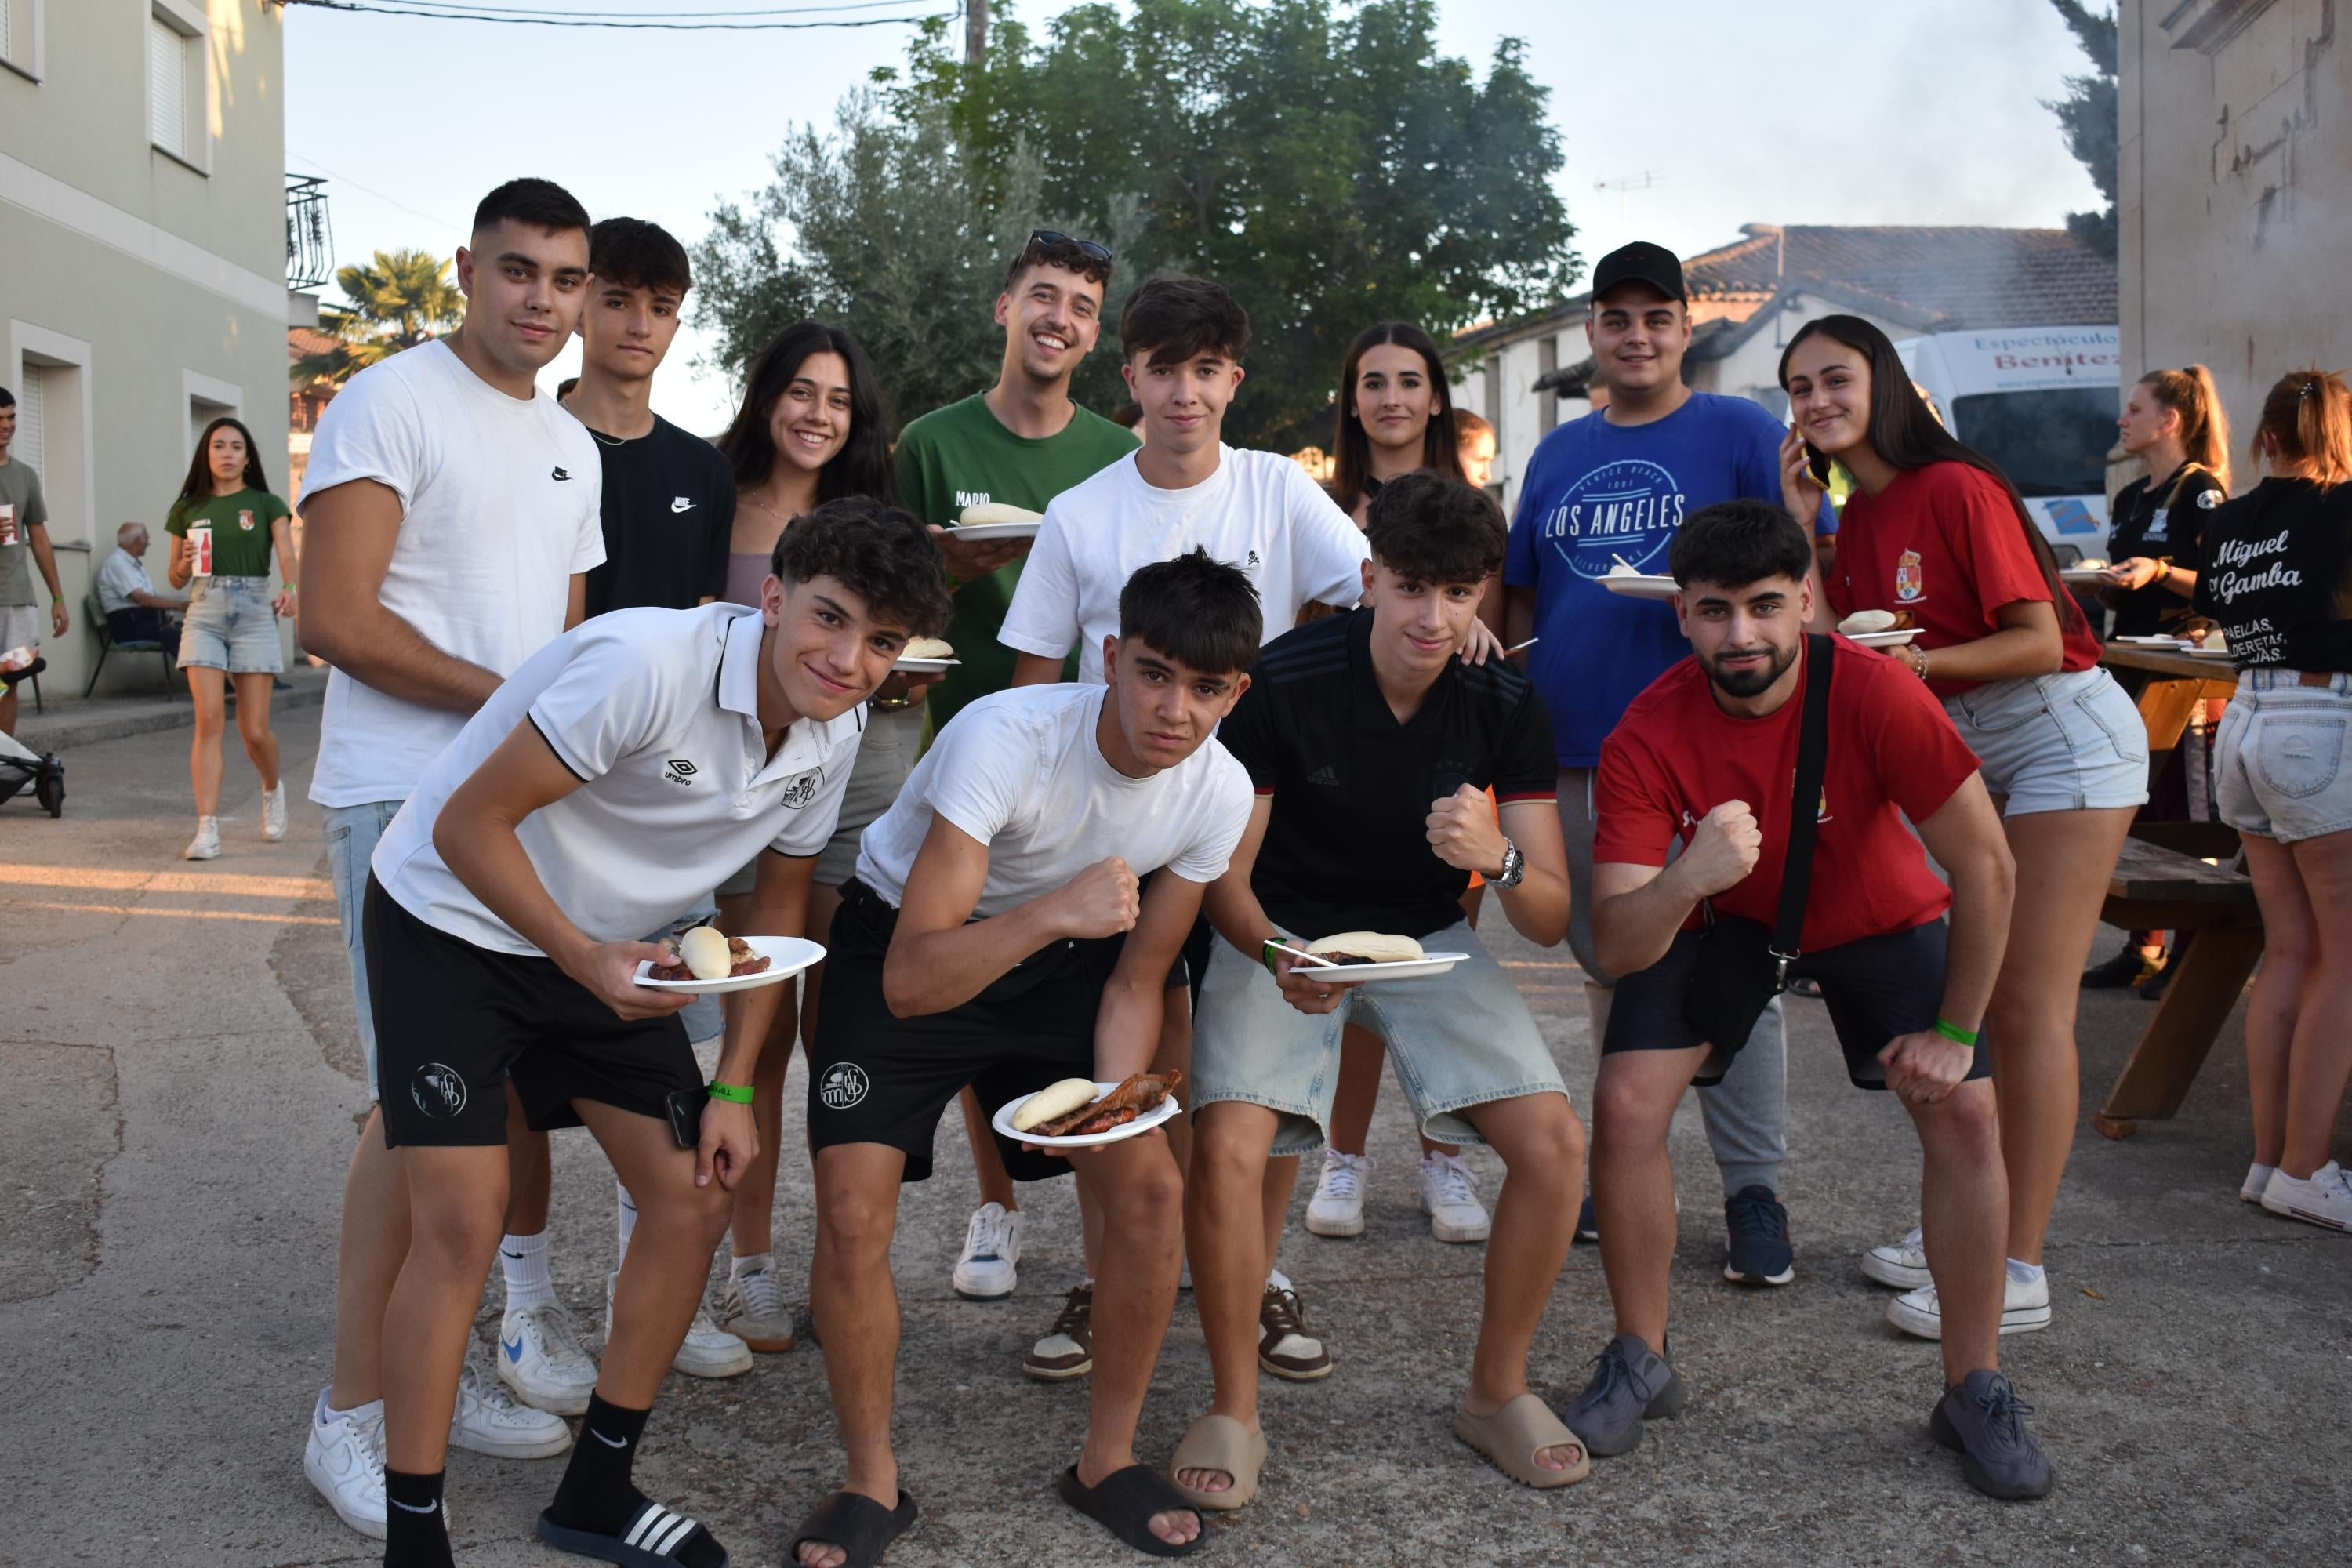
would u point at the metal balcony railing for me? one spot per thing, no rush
(309, 240)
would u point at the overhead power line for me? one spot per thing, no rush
(426, 10)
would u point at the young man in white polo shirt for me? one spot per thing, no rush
(1183, 339)
(451, 520)
(997, 935)
(619, 773)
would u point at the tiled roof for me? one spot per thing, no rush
(1944, 277)
(303, 341)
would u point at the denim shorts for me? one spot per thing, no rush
(1455, 1040)
(2279, 760)
(231, 627)
(352, 832)
(2071, 741)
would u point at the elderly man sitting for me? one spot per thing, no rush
(134, 610)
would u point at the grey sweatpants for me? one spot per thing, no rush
(1747, 1113)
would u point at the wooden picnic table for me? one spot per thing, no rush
(2162, 882)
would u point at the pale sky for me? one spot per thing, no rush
(1863, 112)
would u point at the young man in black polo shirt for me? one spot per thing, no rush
(1371, 746)
(669, 497)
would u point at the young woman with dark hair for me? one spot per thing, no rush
(1936, 532)
(2173, 422)
(1395, 417)
(811, 428)
(225, 527)
(2278, 578)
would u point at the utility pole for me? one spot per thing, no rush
(975, 32)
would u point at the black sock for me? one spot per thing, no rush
(415, 1529)
(598, 1496)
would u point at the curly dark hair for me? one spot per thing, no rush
(1173, 319)
(881, 552)
(1435, 530)
(1734, 543)
(1199, 612)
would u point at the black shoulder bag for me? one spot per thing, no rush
(1742, 965)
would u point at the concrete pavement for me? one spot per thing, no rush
(184, 1083)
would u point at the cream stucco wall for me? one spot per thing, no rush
(163, 281)
(2235, 200)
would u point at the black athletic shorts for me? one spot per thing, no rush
(454, 1022)
(877, 1078)
(1876, 988)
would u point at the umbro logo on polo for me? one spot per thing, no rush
(1325, 775)
(682, 503)
(679, 771)
(560, 474)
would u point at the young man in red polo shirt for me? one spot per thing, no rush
(1708, 756)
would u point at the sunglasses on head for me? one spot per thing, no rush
(1085, 247)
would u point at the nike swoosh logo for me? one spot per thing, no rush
(412, 1508)
(516, 1256)
(513, 1348)
(681, 504)
(608, 1442)
(560, 474)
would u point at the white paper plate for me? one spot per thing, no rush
(786, 956)
(982, 532)
(2154, 642)
(2080, 576)
(925, 666)
(1895, 638)
(1399, 969)
(1002, 1123)
(1644, 587)
(2217, 654)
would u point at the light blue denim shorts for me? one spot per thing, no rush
(1455, 1040)
(2069, 742)
(231, 627)
(2279, 760)
(352, 832)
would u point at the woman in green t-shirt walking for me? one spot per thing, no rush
(224, 529)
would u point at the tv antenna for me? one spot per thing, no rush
(1623, 186)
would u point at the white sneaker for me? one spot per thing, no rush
(992, 1252)
(1900, 1263)
(344, 1460)
(205, 845)
(708, 1351)
(2257, 1182)
(489, 1421)
(273, 812)
(541, 1358)
(2025, 1308)
(1449, 1191)
(753, 1308)
(2325, 1199)
(1338, 1206)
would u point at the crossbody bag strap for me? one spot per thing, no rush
(1805, 804)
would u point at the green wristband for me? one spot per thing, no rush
(1954, 1031)
(733, 1093)
(1265, 956)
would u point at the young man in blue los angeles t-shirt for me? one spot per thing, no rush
(1617, 483)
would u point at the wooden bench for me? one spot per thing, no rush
(2157, 886)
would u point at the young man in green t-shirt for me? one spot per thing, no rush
(1021, 443)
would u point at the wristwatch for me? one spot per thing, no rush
(1515, 867)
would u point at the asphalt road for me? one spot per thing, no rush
(182, 1082)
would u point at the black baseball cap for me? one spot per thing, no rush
(1641, 262)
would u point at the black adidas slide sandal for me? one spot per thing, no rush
(654, 1538)
(856, 1525)
(1124, 1502)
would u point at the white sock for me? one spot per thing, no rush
(628, 1211)
(1277, 1280)
(739, 1266)
(2258, 1175)
(328, 1412)
(523, 1261)
(2024, 1273)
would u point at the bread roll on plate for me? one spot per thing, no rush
(928, 648)
(1055, 1100)
(1862, 623)
(1367, 947)
(996, 511)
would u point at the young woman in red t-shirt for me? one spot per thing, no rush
(1936, 532)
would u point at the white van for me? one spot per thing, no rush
(2041, 402)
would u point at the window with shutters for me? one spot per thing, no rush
(178, 75)
(20, 37)
(26, 448)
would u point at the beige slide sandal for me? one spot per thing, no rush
(1512, 1438)
(1222, 1443)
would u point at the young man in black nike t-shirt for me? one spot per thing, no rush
(669, 497)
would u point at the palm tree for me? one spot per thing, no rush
(402, 299)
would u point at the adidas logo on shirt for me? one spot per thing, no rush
(1325, 775)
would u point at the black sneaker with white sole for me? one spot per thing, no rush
(1757, 1236)
(1983, 1421)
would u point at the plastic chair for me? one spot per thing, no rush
(96, 620)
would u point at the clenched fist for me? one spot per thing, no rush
(1724, 848)
(1464, 833)
(1102, 900)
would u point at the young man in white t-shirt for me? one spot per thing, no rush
(450, 521)
(1183, 339)
(602, 791)
(997, 935)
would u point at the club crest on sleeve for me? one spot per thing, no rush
(802, 790)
